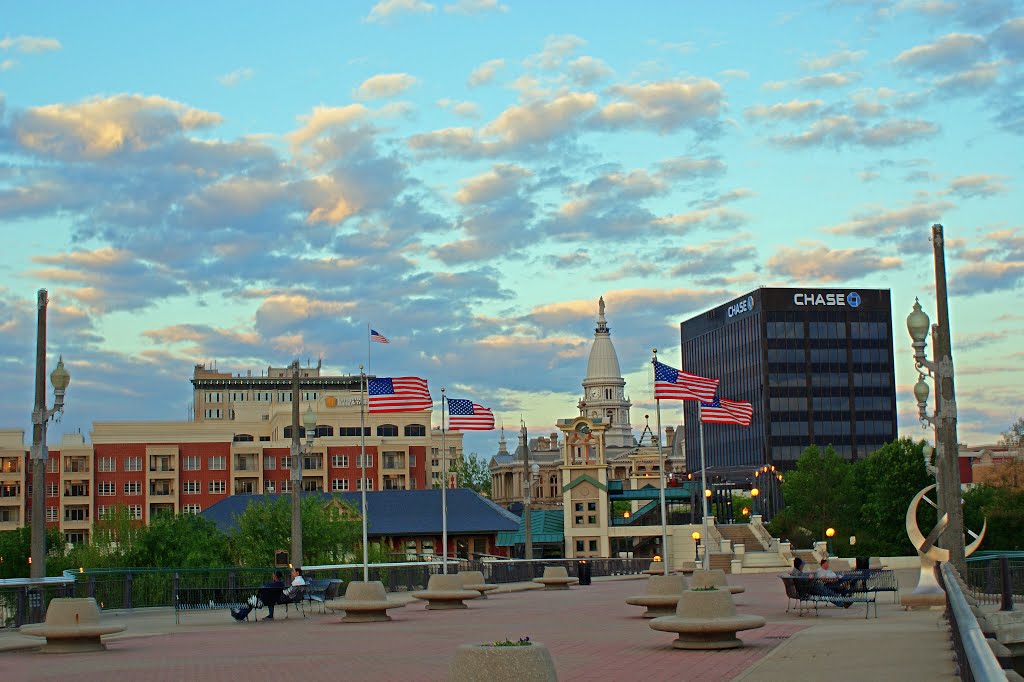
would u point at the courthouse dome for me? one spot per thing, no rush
(603, 362)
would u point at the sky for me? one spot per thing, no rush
(205, 183)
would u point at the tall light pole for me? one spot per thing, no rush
(524, 452)
(947, 449)
(40, 416)
(309, 424)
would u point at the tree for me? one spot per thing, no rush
(331, 530)
(816, 492)
(472, 472)
(181, 541)
(1014, 436)
(1003, 509)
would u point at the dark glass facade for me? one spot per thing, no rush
(816, 364)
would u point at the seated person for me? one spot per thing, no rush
(291, 594)
(798, 567)
(830, 584)
(824, 571)
(267, 595)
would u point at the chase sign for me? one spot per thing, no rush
(851, 299)
(742, 306)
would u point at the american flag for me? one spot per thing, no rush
(672, 384)
(377, 337)
(722, 411)
(465, 415)
(399, 394)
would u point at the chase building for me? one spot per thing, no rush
(816, 364)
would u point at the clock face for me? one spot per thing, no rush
(594, 393)
(583, 428)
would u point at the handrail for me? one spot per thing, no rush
(981, 662)
(49, 580)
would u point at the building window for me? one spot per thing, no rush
(214, 413)
(387, 430)
(191, 487)
(218, 487)
(286, 462)
(269, 462)
(364, 484)
(393, 460)
(339, 485)
(415, 430)
(108, 464)
(268, 486)
(353, 431)
(284, 396)
(239, 396)
(105, 489)
(339, 461)
(593, 545)
(52, 490)
(359, 460)
(191, 509)
(192, 463)
(580, 545)
(103, 512)
(412, 461)
(323, 431)
(312, 485)
(242, 438)
(52, 514)
(213, 396)
(310, 395)
(286, 486)
(52, 465)
(135, 512)
(76, 513)
(133, 488)
(75, 537)
(218, 463)
(133, 464)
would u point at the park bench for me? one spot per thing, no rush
(208, 598)
(808, 592)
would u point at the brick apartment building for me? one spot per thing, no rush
(237, 444)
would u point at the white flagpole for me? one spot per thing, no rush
(362, 468)
(706, 563)
(444, 495)
(369, 364)
(661, 471)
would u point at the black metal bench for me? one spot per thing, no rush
(809, 591)
(209, 598)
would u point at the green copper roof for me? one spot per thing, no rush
(546, 526)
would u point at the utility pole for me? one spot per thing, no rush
(38, 452)
(524, 451)
(296, 471)
(946, 436)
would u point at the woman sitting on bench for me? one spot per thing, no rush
(267, 596)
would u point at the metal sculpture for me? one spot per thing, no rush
(928, 588)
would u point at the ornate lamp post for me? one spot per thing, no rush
(41, 415)
(830, 533)
(947, 449)
(696, 548)
(754, 493)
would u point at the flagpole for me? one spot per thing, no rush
(362, 468)
(706, 562)
(368, 363)
(661, 471)
(444, 496)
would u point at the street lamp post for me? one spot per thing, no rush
(41, 415)
(754, 493)
(297, 453)
(947, 449)
(830, 533)
(696, 546)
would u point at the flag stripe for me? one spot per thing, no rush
(721, 411)
(377, 337)
(399, 394)
(673, 384)
(465, 415)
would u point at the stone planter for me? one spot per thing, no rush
(662, 597)
(706, 620)
(72, 625)
(473, 662)
(364, 602)
(713, 578)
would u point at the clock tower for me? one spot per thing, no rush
(604, 396)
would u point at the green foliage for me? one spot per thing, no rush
(523, 641)
(739, 502)
(815, 492)
(329, 536)
(472, 472)
(1014, 436)
(182, 541)
(1003, 508)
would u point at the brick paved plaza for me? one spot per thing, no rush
(591, 632)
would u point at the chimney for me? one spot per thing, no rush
(670, 436)
(554, 440)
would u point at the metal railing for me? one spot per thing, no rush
(24, 600)
(974, 657)
(994, 577)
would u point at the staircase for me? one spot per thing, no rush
(722, 561)
(740, 534)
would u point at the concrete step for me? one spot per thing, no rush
(763, 560)
(721, 561)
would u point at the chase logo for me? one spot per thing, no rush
(853, 299)
(744, 306)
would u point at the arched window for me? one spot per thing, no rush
(387, 430)
(415, 430)
(242, 438)
(288, 432)
(324, 430)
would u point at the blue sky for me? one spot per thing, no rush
(205, 182)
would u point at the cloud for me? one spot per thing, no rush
(324, 118)
(879, 221)
(485, 73)
(972, 186)
(995, 264)
(384, 85)
(971, 81)
(475, 7)
(585, 71)
(841, 129)
(952, 52)
(30, 44)
(499, 181)
(7, 64)
(103, 126)
(664, 106)
(556, 49)
(735, 74)
(784, 111)
(834, 60)
(688, 167)
(464, 109)
(821, 81)
(233, 78)
(815, 261)
(1010, 38)
(711, 258)
(385, 10)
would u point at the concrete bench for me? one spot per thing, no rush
(656, 568)
(445, 592)
(72, 625)
(474, 580)
(364, 602)
(662, 597)
(706, 619)
(555, 578)
(713, 578)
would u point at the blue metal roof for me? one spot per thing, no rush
(396, 512)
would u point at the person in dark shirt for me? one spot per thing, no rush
(267, 595)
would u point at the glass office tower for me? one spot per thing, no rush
(816, 364)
